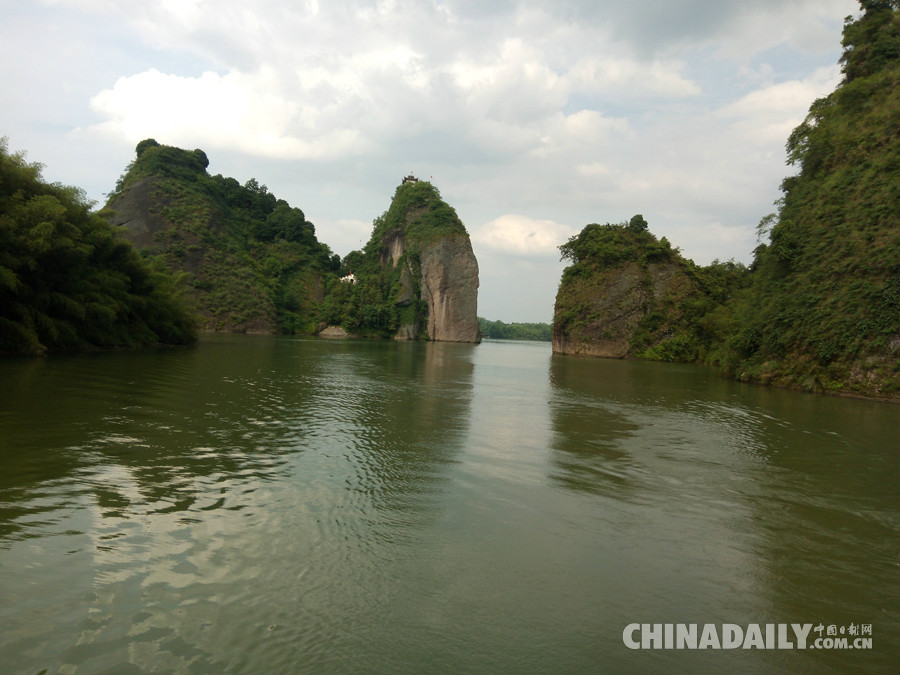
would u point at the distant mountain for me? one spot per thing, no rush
(498, 330)
(819, 308)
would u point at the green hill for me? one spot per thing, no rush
(819, 308)
(251, 261)
(68, 280)
(498, 330)
(416, 278)
(823, 310)
(629, 295)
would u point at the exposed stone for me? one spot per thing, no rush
(450, 289)
(333, 332)
(598, 315)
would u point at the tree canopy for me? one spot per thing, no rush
(68, 280)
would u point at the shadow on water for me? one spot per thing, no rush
(163, 428)
(830, 511)
(587, 455)
(395, 411)
(152, 430)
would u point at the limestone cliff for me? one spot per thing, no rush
(601, 315)
(420, 264)
(625, 296)
(450, 289)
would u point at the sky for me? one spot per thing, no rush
(533, 119)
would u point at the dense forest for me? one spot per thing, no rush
(68, 280)
(819, 307)
(823, 308)
(498, 330)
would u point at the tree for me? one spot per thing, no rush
(143, 145)
(637, 223)
(872, 41)
(67, 280)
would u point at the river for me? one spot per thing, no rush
(261, 504)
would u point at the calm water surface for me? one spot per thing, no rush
(262, 504)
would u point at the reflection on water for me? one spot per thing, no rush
(761, 503)
(259, 504)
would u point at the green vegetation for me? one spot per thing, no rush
(387, 295)
(823, 310)
(659, 300)
(417, 210)
(819, 308)
(252, 260)
(605, 245)
(68, 281)
(497, 330)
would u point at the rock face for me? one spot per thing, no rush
(620, 311)
(424, 251)
(450, 289)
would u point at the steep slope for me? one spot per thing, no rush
(417, 277)
(823, 312)
(251, 260)
(629, 295)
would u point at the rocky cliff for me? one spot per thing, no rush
(603, 314)
(629, 295)
(450, 289)
(249, 261)
(417, 276)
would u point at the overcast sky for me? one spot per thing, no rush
(533, 119)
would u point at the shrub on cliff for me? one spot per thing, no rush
(823, 312)
(252, 260)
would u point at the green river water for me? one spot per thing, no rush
(260, 504)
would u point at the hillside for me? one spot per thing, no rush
(68, 281)
(823, 310)
(251, 261)
(416, 278)
(819, 308)
(498, 330)
(628, 295)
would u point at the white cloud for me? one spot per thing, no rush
(771, 112)
(578, 110)
(242, 112)
(521, 235)
(637, 77)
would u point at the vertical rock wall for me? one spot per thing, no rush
(450, 289)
